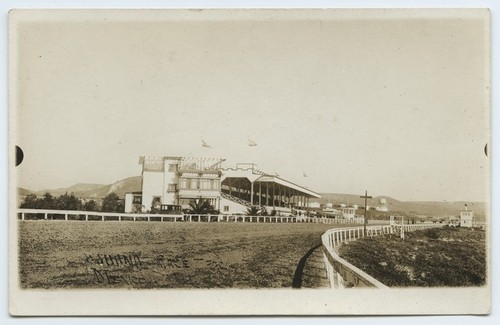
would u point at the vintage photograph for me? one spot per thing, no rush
(249, 161)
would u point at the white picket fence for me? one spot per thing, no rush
(70, 215)
(342, 274)
(93, 215)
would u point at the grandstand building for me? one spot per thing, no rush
(182, 180)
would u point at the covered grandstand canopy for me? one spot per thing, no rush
(259, 188)
(280, 181)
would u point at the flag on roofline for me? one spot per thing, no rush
(251, 143)
(204, 144)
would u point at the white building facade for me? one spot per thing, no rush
(466, 218)
(178, 181)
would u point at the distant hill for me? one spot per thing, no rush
(82, 190)
(77, 189)
(130, 184)
(411, 207)
(441, 208)
(23, 191)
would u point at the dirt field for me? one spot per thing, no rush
(452, 257)
(75, 254)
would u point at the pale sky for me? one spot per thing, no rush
(398, 107)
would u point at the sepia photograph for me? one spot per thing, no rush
(249, 162)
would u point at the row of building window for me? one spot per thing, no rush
(199, 184)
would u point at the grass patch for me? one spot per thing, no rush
(444, 257)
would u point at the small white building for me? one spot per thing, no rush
(466, 218)
(382, 205)
(133, 202)
(328, 207)
(348, 212)
(453, 221)
(314, 205)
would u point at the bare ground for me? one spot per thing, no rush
(75, 254)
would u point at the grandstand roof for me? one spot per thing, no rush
(283, 182)
(250, 172)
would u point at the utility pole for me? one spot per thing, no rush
(366, 211)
